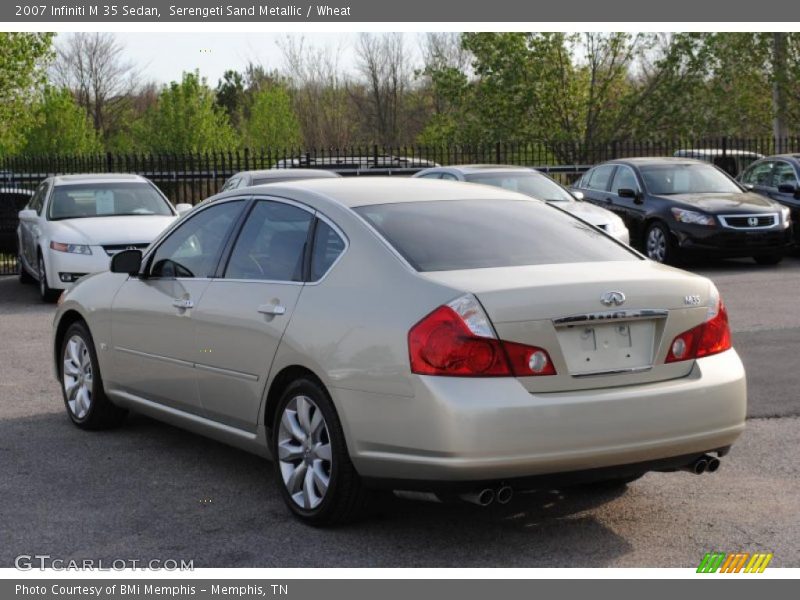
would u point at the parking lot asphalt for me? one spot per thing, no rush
(152, 491)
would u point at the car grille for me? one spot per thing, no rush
(112, 249)
(759, 221)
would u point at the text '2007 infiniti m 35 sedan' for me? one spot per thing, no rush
(438, 339)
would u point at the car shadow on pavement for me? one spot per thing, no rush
(149, 490)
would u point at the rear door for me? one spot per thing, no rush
(244, 312)
(597, 184)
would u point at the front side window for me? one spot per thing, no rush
(37, 200)
(193, 249)
(474, 234)
(760, 174)
(272, 243)
(107, 200)
(686, 178)
(784, 174)
(624, 179)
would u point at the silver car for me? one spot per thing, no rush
(537, 185)
(441, 340)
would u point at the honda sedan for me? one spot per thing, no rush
(442, 340)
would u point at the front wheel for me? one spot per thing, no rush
(317, 479)
(47, 293)
(658, 243)
(87, 404)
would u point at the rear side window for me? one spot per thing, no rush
(598, 178)
(475, 234)
(328, 245)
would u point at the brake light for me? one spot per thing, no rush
(458, 340)
(711, 337)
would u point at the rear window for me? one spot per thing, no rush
(474, 234)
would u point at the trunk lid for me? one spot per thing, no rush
(592, 344)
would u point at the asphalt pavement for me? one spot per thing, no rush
(152, 491)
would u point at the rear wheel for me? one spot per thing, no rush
(45, 291)
(658, 243)
(316, 477)
(81, 384)
(768, 259)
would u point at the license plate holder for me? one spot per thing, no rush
(608, 347)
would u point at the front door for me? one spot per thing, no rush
(153, 336)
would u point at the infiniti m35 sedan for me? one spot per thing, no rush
(441, 340)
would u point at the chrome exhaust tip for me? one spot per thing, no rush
(482, 497)
(698, 467)
(713, 464)
(504, 494)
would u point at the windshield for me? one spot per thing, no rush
(668, 179)
(450, 235)
(529, 183)
(107, 200)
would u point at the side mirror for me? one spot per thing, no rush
(27, 215)
(127, 261)
(183, 209)
(787, 188)
(748, 186)
(578, 195)
(630, 193)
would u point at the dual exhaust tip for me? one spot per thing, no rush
(704, 464)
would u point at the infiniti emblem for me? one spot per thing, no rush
(613, 298)
(752, 221)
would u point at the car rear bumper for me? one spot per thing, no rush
(458, 429)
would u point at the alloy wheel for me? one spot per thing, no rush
(656, 244)
(304, 452)
(77, 376)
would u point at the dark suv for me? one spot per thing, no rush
(677, 206)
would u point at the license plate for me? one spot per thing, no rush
(608, 347)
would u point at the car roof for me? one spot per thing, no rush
(362, 191)
(655, 160)
(96, 178)
(689, 152)
(467, 169)
(288, 173)
(794, 157)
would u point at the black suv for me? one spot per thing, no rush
(677, 206)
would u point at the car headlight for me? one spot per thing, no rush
(71, 248)
(692, 217)
(786, 215)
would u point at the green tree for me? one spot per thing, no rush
(22, 60)
(271, 121)
(230, 95)
(186, 118)
(61, 126)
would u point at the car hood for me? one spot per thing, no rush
(588, 212)
(99, 231)
(716, 203)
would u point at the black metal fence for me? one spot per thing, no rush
(190, 178)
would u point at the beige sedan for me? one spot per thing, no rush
(440, 340)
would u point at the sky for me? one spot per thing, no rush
(162, 57)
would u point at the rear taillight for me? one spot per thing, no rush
(711, 337)
(458, 340)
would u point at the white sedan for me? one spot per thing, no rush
(73, 224)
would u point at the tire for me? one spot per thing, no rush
(47, 293)
(344, 498)
(659, 244)
(24, 276)
(768, 259)
(81, 383)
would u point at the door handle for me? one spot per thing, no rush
(272, 309)
(182, 303)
